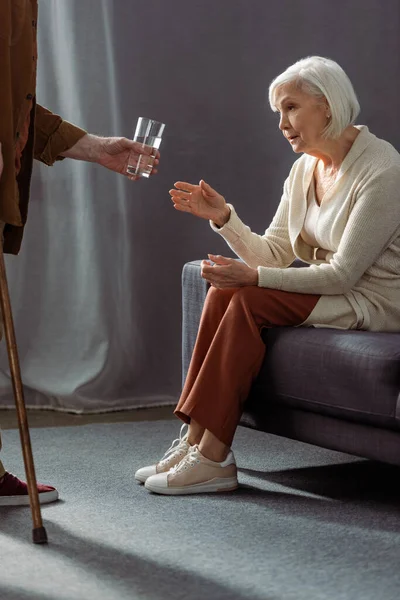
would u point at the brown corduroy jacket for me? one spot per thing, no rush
(48, 136)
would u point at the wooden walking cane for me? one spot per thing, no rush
(39, 532)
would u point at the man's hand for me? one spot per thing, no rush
(228, 272)
(114, 153)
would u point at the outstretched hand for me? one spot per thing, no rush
(201, 201)
(228, 272)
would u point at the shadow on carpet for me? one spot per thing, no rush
(306, 523)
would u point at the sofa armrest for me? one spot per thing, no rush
(194, 292)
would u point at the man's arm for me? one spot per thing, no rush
(56, 139)
(53, 136)
(114, 153)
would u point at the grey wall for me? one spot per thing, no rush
(202, 67)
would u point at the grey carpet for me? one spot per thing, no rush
(306, 523)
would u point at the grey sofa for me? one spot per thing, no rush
(329, 387)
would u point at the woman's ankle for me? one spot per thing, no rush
(193, 441)
(217, 456)
(212, 448)
(195, 433)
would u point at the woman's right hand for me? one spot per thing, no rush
(200, 200)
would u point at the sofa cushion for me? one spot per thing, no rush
(354, 375)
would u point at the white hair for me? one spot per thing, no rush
(323, 78)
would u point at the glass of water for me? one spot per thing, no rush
(148, 133)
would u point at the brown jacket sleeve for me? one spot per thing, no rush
(53, 136)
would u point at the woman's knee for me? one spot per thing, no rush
(258, 302)
(250, 295)
(218, 297)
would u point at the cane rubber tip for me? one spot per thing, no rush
(39, 535)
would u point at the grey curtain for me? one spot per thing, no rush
(96, 288)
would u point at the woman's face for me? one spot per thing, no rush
(302, 117)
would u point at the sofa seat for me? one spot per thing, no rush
(352, 375)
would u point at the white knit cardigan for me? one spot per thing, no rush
(359, 225)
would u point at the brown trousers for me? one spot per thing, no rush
(229, 352)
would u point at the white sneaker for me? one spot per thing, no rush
(178, 450)
(196, 474)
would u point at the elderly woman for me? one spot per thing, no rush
(339, 212)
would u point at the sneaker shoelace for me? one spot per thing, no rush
(175, 444)
(188, 461)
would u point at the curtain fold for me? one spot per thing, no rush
(76, 304)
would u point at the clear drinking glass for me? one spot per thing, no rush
(148, 133)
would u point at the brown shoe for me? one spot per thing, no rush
(196, 474)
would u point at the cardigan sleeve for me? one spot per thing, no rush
(273, 249)
(373, 224)
(53, 135)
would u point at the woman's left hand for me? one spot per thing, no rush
(228, 272)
